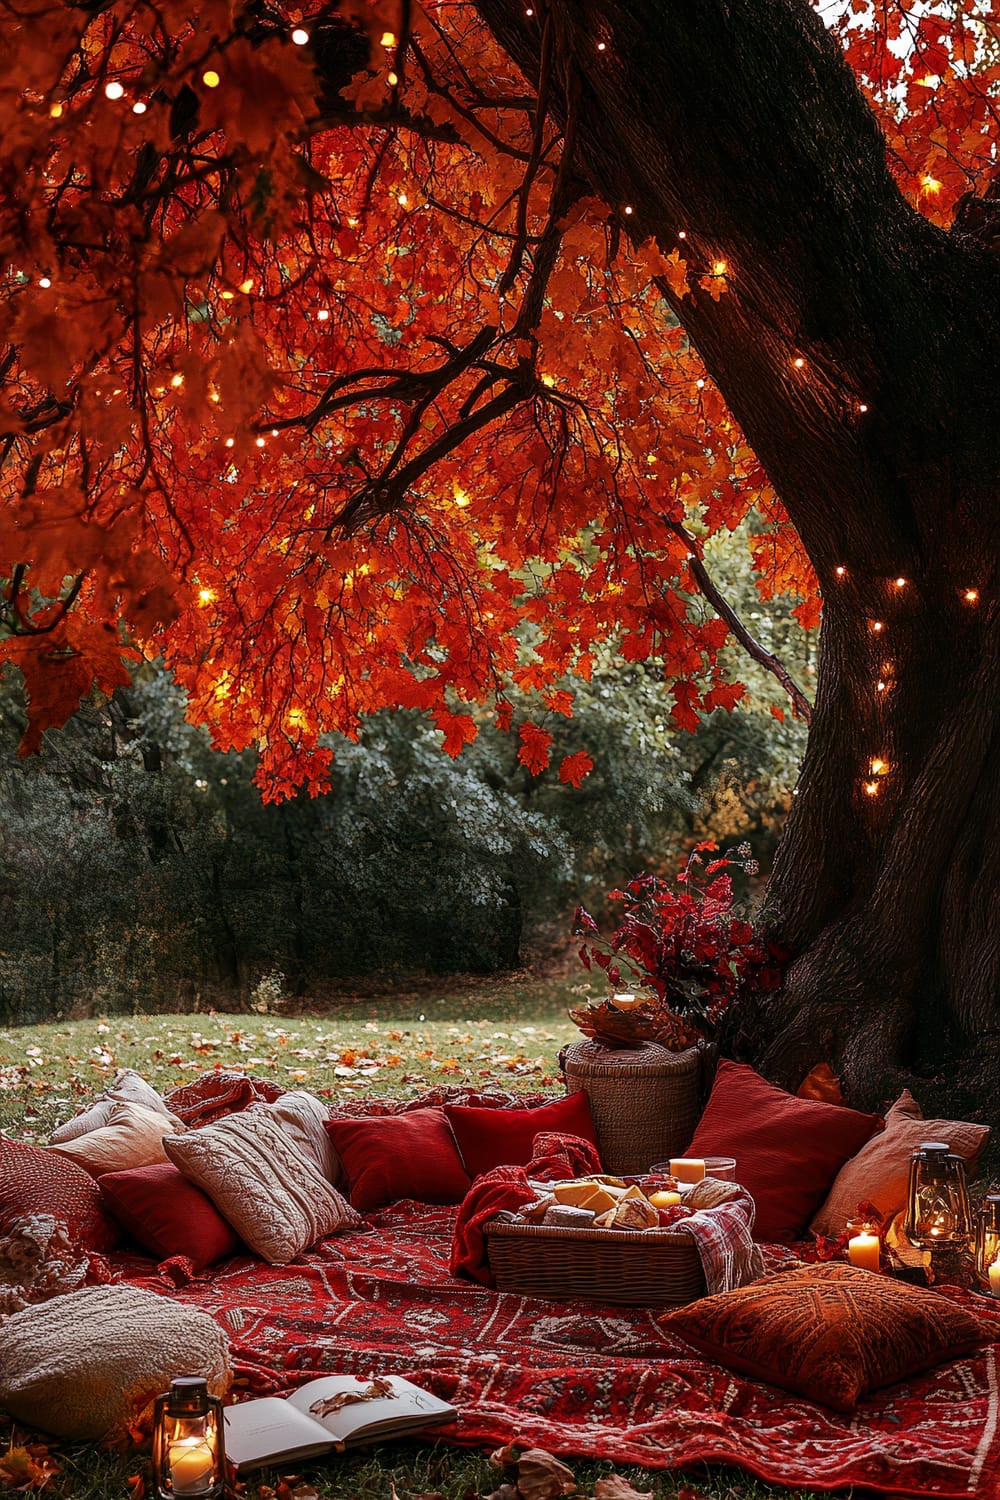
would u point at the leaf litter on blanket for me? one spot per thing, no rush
(378, 1388)
(29, 1468)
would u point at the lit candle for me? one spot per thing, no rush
(995, 1278)
(626, 1002)
(192, 1466)
(687, 1168)
(863, 1252)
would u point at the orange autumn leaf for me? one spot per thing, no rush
(573, 768)
(534, 751)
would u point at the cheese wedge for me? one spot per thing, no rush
(600, 1200)
(574, 1193)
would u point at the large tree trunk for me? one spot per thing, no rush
(740, 123)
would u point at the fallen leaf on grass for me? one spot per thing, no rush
(28, 1468)
(508, 1454)
(542, 1477)
(617, 1488)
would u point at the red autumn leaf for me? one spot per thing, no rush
(575, 767)
(534, 751)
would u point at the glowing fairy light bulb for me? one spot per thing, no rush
(682, 234)
(871, 788)
(205, 597)
(261, 442)
(55, 113)
(629, 209)
(44, 281)
(388, 39)
(211, 79)
(862, 407)
(246, 287)
(602, 46)
(840, 570)
(230, 442)
(393, 79)
(529, 12)
(113, 90)
(880, 686)
(323, 314)
(799, 362)
(549, 381)
(878, 766)
(139, 107)
(274, 432)
(901, 583)
(971, 596)
(461, 497)
(700, 385)
(300, 36)
(718, 268)
(878, 625)
(177, 381)
(403, 200)
(930, 184)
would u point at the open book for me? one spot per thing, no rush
(312, 1420)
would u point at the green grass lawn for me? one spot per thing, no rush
(487, 1035)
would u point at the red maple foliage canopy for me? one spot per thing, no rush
(327, 378)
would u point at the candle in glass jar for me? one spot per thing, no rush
(192, 1466)
(994, 1271)
(687, 1168)
(664, 1198)
(863, 1252)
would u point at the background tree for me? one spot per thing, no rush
(341, 342)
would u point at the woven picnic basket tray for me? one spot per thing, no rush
(648, 1267)
(645, 1100)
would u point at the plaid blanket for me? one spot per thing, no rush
(724, 1238)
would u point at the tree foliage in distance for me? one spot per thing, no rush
(324, 369)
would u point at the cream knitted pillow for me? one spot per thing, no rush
(277, 1201)
(301, 1116)
(133, 1137)
(86, 1364)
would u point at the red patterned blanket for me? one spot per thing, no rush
(574, 1378)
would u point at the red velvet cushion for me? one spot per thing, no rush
(489, 1138)
(787, 1150)
(411, 1155)
(34, 1180)
(169, 1215)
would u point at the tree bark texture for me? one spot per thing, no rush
(738, 125)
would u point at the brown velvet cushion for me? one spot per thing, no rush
(878, 1174)
(828, 1332)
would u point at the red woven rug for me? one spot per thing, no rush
(580, 1379)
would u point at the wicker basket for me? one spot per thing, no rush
(645, 1100)
(649, 1267)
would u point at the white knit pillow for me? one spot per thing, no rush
(87, 1364)
(274, 1197)
(301, 1116)
(129, 1087)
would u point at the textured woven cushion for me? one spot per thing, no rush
(302, 1116)
(788, 1151)
(489, 1138)
(133, 1137)
(828, 1332)
(84, 1365)
(258, 1179)
(34, 1180)
(412, 1155)
(168, 1215)
(129, 1087)
(880, 1171)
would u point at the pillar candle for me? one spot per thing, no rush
(687, 1168)
(664, 1198)
(995, 1278)
(863, 1251)
(192, 1465)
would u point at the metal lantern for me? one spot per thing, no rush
(189, 1456)
(937, 1201)
(987, 1236)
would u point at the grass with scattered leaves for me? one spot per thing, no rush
(482, 1034)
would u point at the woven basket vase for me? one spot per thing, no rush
(645, 1100)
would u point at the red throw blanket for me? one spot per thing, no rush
(506, 1188)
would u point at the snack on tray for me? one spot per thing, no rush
(710, 1192)
(630, 1213)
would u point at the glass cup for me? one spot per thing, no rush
(723, 1168)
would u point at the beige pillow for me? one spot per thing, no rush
(301, 1116)
(879, 1172)
(129, 1087)
(84, 1365)
(273, 1196)
(133, 1137)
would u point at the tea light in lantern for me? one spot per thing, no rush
(863, 1251)
(687, 1168)
(192, 1466)
(995, 1278)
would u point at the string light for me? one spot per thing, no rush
(300, 36)
(113, 90)
(274, 432)
(628, 208)
(323, 314)
(878, 625)
(971, 596)
(799, 363)
(602, 46)
(43, 281)
(719, 268)
(139, 107)
(261, 442)
(230, 442)
(901, 583)
(880, 686)
(840, 570)
(862, 407)
(871, 788)
(177, 381)
(55, 113)
(700, 384)
(529, 12)
(682, 234)
(402, 200)
(211, 79)
(246, 286)
(930, 184)
(393, 79)
(388, 39)
(206, 596)
(461, 497)
(878, 766)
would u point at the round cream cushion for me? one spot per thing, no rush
(85, 1365)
